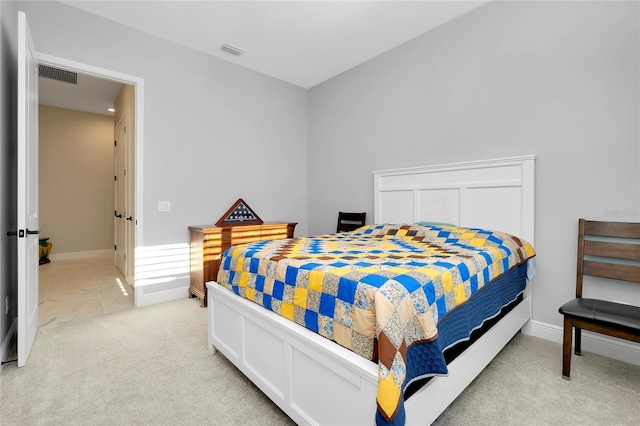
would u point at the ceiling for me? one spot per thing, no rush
(302, 42)
(90, 94)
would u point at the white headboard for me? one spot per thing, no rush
(494, 194)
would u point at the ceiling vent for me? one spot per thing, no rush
(231, 49)
(58, 74)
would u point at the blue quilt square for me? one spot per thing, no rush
(278, 290)
(253, 266)
(311, 320)
(441, 303)
(227, 263)
(487, 257)
(266, 301)
(429, 292)
(444, 264)
(410, 283)
(374, 280)
(327, 305)
(494, 239)
(259, 282)
(310, 266)
(291, 275)
(464, 271)
(346, 290)
(474, 284)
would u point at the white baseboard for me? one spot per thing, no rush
(82, 254)
(600, 344)
(142, 299)
(7, 342)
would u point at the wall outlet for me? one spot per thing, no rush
(164, 206)
(6, 305)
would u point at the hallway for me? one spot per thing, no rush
(81, 288)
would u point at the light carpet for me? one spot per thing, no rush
(151, 366)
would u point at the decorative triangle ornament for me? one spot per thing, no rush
(239, 214)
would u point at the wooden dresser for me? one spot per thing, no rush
(208, 242)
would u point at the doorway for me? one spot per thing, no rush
(128, 115)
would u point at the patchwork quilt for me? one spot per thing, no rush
(379, 290)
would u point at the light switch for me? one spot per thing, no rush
(164, 206)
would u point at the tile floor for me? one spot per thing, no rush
(81, 288)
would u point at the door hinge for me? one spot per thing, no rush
(125, 129)
(115, 178)
(115, 247)
(115, 143)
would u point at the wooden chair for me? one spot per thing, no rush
(350, 221)
(599, 245)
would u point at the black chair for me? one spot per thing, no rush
(350, 221)
(606, 250)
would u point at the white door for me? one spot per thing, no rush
(119, 150)
(28, 218)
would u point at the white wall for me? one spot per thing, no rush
(8, 158)
(213, 131)
(556, 79)
(76, 180)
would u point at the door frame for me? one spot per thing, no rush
(119, 191)
(138, 84)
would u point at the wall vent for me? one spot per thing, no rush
(58, 74)
(231, 49)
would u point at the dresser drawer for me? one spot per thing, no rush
(209, 242)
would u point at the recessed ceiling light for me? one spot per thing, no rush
(230, 49)
(111, 110)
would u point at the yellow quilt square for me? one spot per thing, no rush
(239, 263)
(315, 281)
(244, 279)
(460, 294)
(447, 281)
(388, 395)
(251, 294)
(340, 271)
(300, 297)
(286, 310)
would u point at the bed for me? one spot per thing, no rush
(317, 381)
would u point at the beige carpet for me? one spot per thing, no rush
(151, 366)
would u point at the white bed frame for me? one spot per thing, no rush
(316, 381)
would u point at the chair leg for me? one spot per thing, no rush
(566, 348)
(578, 346)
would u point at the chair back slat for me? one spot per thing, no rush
(612, 250)
(612, 229)
(612, 270)
(348, 221)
